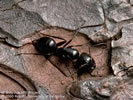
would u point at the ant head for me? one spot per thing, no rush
(45, 45)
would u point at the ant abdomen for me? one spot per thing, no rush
(45, 45)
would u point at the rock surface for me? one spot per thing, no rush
(68, 14)
(131, 1)
(122, 48)
(121, 13)
(15, 23)
(101, 23)
(9, 57)
(109, 88)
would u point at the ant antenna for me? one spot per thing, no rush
(89, 51)
(58, 44)
(77, 30)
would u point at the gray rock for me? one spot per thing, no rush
(67, 14)
(122, 71)
(117, 13)
(123, 48)
(6, 4)
(9, 58)
(131, 1)
(123, 91)
(121, 13)
(15, 23)
(118, 2)
(21, 18)
(126, 39)
(18, 22)
(121, 55)
(100, 89)
(109, 88)
(43, 95)
(90, 31)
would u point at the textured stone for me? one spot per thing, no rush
(109, 88)
(15, 23)
(9, 57)
(106, 3)
(43, 94)
(131, 1)
(117, 13)
(90, 31)
(121, 13)
(94, 89)
(6, 4)
(19, 20)
(122, 48)
(67, 14)
(131, 53)
(118, 2)
(122, 55)
(126, 39)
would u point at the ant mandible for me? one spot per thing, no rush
(48, 47)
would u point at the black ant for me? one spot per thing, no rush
(48, 47)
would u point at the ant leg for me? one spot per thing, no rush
(28, 54)
(61, 43)
(54, 37)
(47, 57)
(99, 44)
(77, 30)
(58, 44)
(88, 46)
(74, 46)
(71, 75)
(79, 45)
